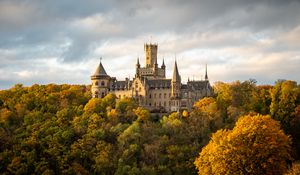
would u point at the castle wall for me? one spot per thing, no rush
(122, 93)
(158, 98)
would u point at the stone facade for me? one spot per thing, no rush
(150, 87)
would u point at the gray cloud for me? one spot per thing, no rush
(238, 39)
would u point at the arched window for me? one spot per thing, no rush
(96, 83)
(102, 83)
(102, 95)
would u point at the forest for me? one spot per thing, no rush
(244, 128)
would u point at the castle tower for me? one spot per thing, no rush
(176, 89)
(150, 54)
(206, 77)
(163, 67)
(100, 82)
(138, 66)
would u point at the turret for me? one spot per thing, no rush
(138, 63)
(176, 89)
(163, 66)
(138, 66)
(206, 77)
(176, 76)
(100, 82)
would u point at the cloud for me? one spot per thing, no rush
(46, 41)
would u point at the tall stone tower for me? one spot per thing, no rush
(175, 89)
(100, 82)
(150, 54)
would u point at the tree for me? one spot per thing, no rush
(125, 108)
(284, 96)
(209, 108)
(256, 145)
(295, 169)
(94, 106)
(261, 99)
(295, 131)
(142, 114)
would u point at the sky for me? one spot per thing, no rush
(61, 41)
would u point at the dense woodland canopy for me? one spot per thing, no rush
(59, 129)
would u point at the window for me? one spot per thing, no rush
(185, 94)
(96, 83)
(149, 95)
(159, 95)
(102, 83)
(102, 95)
(165, 95)
(165, 104)
(154, 95)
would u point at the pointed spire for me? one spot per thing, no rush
(138, 63)
(163, 66)
(176, 76)
(100, 69)
(206, 77)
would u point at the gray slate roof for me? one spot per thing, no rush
(100, 70)
(159, 83)
(198, 85)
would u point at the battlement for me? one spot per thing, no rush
(150, 54)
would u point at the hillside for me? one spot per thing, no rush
(60, 129)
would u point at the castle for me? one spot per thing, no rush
(150, 87)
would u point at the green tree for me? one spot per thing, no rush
(284, 97)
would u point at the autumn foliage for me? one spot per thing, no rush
(60, 129)
(256, 145)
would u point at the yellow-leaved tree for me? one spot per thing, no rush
(256, 145)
